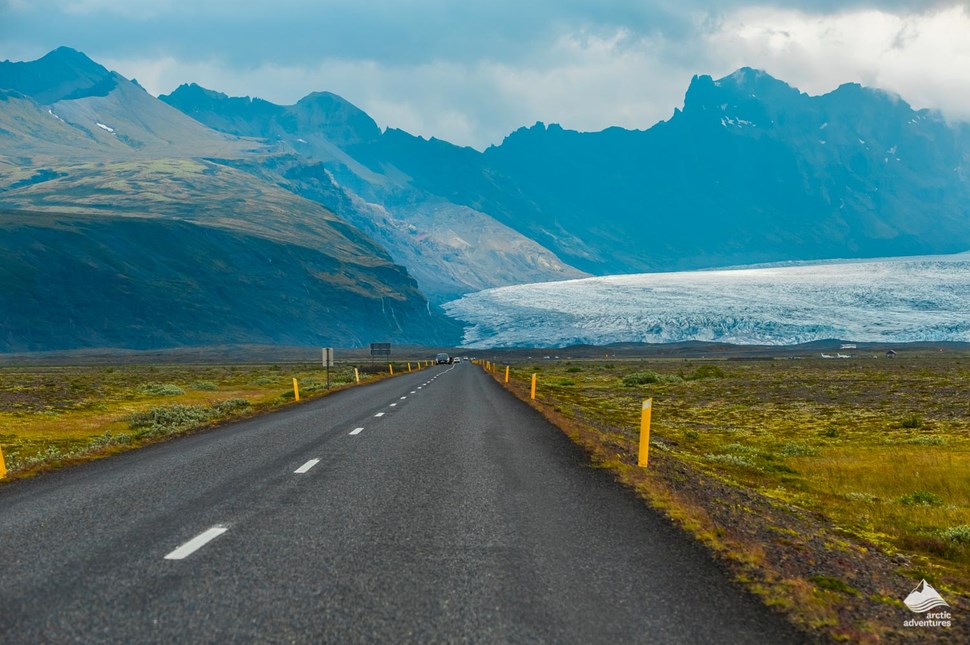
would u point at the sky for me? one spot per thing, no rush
(472, 71)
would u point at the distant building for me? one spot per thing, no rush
(891, 354)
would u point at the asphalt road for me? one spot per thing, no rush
(457, 514)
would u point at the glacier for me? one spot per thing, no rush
(890, 300)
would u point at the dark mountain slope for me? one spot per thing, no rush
(149, 283)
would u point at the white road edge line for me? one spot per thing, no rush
(379, 414)
(307, 466)
(356, 431)
(196, 543)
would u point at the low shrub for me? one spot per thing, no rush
(648, 377)
(705, 371)
(959, 534)
(161, 389)
(230, 406)
(797, 450)
(928, 440)
(204, 386)
(108, 439)
(912, 421)
(169, 418)
(921, 498)
(730, 460)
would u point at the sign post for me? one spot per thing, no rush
(379, 349)
(328, 362)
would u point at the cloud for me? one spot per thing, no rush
(471, 72)
(925, 58)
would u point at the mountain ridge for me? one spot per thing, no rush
(123, 226)
(748, 170)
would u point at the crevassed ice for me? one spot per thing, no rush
(887, 300)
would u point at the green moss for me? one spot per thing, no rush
(830, 583)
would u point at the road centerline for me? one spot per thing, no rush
(196, 543)
(307, 466)
(356, 431)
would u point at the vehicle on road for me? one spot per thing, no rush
(442, 359)
(456, 360)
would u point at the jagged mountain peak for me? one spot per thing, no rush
(746, 90)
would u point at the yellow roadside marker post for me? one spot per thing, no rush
(506, 373)
(644, 455)
(391, 367)
(357, 375)
(3, 466)
(533, 395)
(409, 367)
(296, 390)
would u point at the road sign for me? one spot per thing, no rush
(380, 349)
(328, 356)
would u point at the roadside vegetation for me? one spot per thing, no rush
(53, 416)
(832, 487)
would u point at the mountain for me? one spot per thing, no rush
(751, 170)
(125, 224)
(327, 148)
(67, 107)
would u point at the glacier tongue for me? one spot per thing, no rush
(886, 300)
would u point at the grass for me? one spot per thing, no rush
(879, 448)
(52, 416)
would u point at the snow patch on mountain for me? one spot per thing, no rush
(886, 300)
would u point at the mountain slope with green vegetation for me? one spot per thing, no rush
(120, 230)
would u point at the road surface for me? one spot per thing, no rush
(431, 507)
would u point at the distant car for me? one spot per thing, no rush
(457, 360)
(442, 359)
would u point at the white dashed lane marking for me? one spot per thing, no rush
(356, 431)
(379, 414)
(196, 543)
(307, 466)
